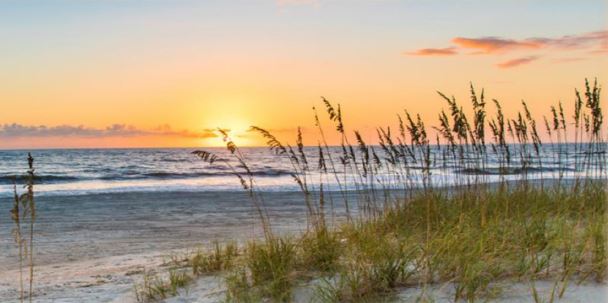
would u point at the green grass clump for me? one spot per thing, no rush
(239, 288)
(266, 270)
(271, 265)
(546, 236)
(551, 233)
(218, 259)
(155, 287)
(320, 250)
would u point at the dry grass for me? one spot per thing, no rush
(23, 215)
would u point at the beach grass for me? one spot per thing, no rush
(556, 233)
(155, 287)
(23, 216)
(220, 258)
(470, 235)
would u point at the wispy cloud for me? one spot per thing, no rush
(575, 41)
(517, 62)
(490, 45)
(447, 51)
(15, 130)
(591, 42)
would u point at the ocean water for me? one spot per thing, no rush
(88, 171)
(93, 171)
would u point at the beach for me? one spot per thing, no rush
(105, 245)
(94, 247)
(85, 243)
(105, 218)
(108, 241)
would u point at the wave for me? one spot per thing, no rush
(511, 170)
(41, 179)
(171, 175)
(133, 175)
(174, 160)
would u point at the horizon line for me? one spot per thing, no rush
(244, 146)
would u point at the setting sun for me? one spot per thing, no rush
(236, 133)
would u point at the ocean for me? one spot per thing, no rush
(95, 171)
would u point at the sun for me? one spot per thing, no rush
(237, 131)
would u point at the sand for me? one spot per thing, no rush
(93, 248)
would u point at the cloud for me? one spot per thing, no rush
(166, 130)
(15, 130)
(517, 62)
(447, 51)
(575, 41)
(490, 45)
(591, 42)
(493, 45)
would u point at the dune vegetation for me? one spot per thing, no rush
(543, 219)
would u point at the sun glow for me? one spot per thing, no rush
(170, 75)
(237, 131)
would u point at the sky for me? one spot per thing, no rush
(168, 73)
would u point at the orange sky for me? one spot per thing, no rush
(167, 75)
